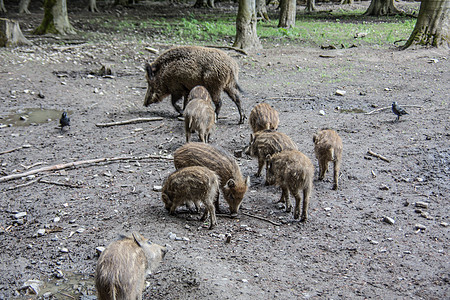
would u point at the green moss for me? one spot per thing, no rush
(47, 25)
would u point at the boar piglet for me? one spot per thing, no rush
(196, 184)
(328, 147)
(198, 92)
(199, 116)
(123, 266)
(231, 182)
(293, 172)
(178, 70)
(262, 117)
(265, 143)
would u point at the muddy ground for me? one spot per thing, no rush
(344, 251)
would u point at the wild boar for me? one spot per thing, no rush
(193, 184)
(268, 142)
(263, 116)
(328, 147)
(123, 266)
(199, 116)
(232, 183)
(178, 70)
(198, 91)
(292, 171)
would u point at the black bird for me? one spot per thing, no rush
(398, 110)
(64, 121)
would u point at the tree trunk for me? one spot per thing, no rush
(2, 6)
(93, 6)
(382, 8)
(261, 10)
(287, 13)
(124, 2)
(310, 5)
(204, 3)
(346, 2)
(55, 19)
(10, 34)
(246, 37)
(432, 26)
(23, 7)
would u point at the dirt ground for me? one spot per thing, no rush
(344, 251)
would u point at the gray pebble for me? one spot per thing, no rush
(20, 215)
(422, 204)
(388, 220)
(420, 227)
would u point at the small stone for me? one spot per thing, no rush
(59, 274)
(444, 224)
(420, 227)
(407, 252)
(172, 236)
(64, 250)
(340, 92)
(228, 238)
(32, 286)
(327, 209)
(244, 280)
(373, 242)
(20, 215)
(41, 232)
(384, 187)
(426, 215)
(238, 153)
(81, 230)
(388, 220)
(157, 188)
(387, 89)
(56, 219)
(322, 112)
(421, 204)
(23, 118)
(99, 250)
(186, 239)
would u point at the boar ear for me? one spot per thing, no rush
(139, 239)
(314, 138)
(247, 181)
(252, 138)
(268, 157)
(230, 184)
(150, 71)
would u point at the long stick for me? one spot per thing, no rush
(378, 155)
(79, 163)
(132, 121)
(15, 149)
(261, 218)
(387, 107)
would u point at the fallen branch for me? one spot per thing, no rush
(80, 163)
(262, 218)
(378, 155)
(32, 166)
(60, 183)
(229, 48)
(132, 121)
(15, 149)
(388, 107)
(24, 184)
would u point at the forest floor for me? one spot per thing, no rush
(344, 251)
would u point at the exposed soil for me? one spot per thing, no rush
(344, 251)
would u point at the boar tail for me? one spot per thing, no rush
(333, 156)
(239, 88)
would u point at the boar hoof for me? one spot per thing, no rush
(303, 219)
(289, 209)
(335, 187)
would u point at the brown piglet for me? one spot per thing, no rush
(328, 147)
(262, 117)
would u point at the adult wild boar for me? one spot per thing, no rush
(123, 266)
(232, 184)
(176, 71)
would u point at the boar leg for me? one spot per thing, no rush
(187, 130)
(175, 97)
(261, 163)
(306, 195)
(297, 204)
(216, 203)
(209, 209)
(323, 168)
(285, 197)
(233, 93)
(337, 167)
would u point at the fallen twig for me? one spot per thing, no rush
(378, 155)
(80, 163)
(142, 131)
(24, 184)
(60, 183)
(230, 48)
(32, 166)
(388, 107)
(15, 149)
(262, 218)
(289, 98)
(166, 142)
(132, 121)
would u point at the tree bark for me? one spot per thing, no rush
(382, 8)
(287, 13)
(261, 10)
(204, 3)
(93, 6)
(346, 2)
(2, 6)
(432, 26)
(246, 37)
(23, 7)
(55, 19)
(310, 5)
(10, 34)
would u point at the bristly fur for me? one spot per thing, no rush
(262, 117)
(328, 148)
